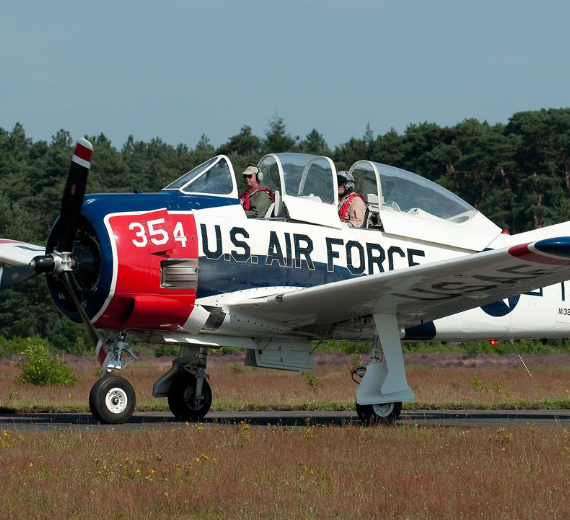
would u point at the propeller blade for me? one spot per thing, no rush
(12, 276)
(72, 200)
(65, 277)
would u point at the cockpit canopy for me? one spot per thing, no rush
(213, 177)
(300, 175)
(400, 190)
(305, 186)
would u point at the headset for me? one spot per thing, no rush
(251, 169)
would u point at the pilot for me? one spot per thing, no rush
(351, 205)
(255, 200)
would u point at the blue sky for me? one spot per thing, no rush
(179, 69)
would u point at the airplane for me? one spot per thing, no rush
(185, 266)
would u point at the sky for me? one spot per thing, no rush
(177, 69)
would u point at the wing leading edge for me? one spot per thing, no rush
(13, 252)
(16, 256)
(425, 292)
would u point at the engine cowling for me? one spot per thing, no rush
(133, 269)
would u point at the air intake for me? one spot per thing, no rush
(179, 273)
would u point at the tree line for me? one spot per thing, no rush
(517, 174)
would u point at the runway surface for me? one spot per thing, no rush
(422, 418)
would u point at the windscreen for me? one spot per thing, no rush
(212, 177)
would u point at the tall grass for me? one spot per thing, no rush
(330, 387)
(314, 472)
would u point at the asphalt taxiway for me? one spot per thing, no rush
(421, 418)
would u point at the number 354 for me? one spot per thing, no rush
(158, 236)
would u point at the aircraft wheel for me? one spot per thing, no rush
(384, 414)
(181, 397)
(112, 400)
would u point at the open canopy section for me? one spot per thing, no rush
(301, 175)
(213, 177)
(307, 185)
(406, 191)
(393, 189)
(405, 204)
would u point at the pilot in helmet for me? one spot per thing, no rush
(255, 200)
(351, 205)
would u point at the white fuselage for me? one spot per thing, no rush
(246, 258)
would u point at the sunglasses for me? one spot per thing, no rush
(247, 176)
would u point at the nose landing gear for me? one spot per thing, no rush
(112, 400)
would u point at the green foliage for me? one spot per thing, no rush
(469, 348)
(42, 367)
(12, 347)
(342, 347)
(478, 384)
(165, 349)
(517, 174)
(236, 368)
(312, 381)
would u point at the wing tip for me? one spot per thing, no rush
(547, 251)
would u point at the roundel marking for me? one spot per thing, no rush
(502, 307)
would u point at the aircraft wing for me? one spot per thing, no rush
(16, 256)
(13, 252)
(425, 292)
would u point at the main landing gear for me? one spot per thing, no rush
(384, 385)
(384, 414)
(189, 394)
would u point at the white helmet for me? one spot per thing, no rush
(343, 177)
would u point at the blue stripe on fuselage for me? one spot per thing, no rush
(222, 276)
(101, 204)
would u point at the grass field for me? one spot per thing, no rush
(193, 471)
(330, 387)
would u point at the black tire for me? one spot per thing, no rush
(378, 415)
(112, 400)
(181, 397)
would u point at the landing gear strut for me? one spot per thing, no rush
(384, 385)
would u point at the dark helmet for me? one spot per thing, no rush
(343, 177)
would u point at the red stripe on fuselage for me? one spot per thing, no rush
(522, 251)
